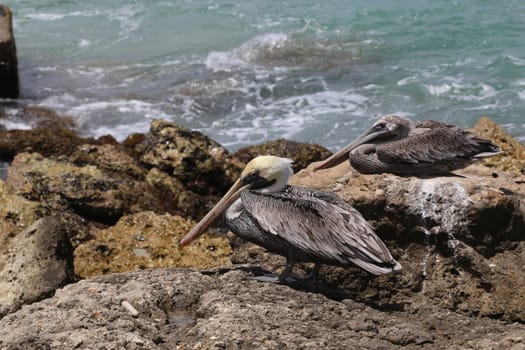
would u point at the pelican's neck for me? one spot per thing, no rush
(234, 210)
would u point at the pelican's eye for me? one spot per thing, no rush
(379, 127)
(256, 181)
(252, 177)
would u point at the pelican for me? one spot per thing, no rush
(396, 145)
(301, 224)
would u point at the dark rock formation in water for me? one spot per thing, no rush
(52, 135)
(180, 309)
(9, 88)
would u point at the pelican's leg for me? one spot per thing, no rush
(287, 272)
(285, 276)
(315, 271)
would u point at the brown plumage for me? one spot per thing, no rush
(396, 145)
(302, 224)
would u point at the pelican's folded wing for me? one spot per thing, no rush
(436, 142)
(320, 224)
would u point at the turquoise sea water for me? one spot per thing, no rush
(250, 71)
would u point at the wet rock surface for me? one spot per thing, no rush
(51, 134)
(185, 309)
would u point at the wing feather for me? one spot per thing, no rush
(320, 224)
(435, 142)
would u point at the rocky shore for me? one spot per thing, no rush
(89, 254)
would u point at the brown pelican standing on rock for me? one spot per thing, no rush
(396, 145)
(301, 224)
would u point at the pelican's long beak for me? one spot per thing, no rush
(231, 196)
(342, 155)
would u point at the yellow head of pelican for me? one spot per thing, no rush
(263, 173)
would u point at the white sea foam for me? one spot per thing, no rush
(145, 109)
(407, 80)
(515, 60)
(462, 91)
(128, 18)
(484, 107)
(121, 131)
(86, 71)
(246, 54)
(45, 16)
(118, 117)
(15, 124)
(286, 117)
(84, 43)
(46, 69)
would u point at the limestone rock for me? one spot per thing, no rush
(8, 60)
(513, 156)
(201, 164)
(37, 262)
(170, 194)
(110, 158)
(85, 190)
(302, 153)
(146, 240)
(45, 141)
(180, 309)
(16, 214)
(174, 193)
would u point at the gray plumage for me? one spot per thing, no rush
(301, 224)
(396, 145)
(305, 225)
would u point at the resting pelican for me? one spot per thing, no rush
(396, 145)
(301, 224)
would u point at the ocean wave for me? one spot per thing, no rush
(515, 60)
(462, 92)
(118, 117)
(287, 117)
(128, 17)
(246, 54)
(15, 124)
(286, 51)
(145, 109)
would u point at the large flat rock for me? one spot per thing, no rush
(181, 309)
